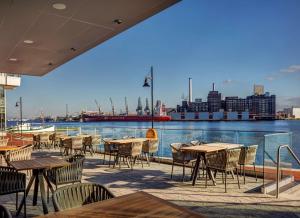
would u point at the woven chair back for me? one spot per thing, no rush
(20, 154)
(150, 146)
(248, 154)
(77, 142)
(3, 142)
(44, 137)
(96, 139)
(80, 194)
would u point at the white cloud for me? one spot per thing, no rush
(291, 69)
(270, 78)
(228, 81)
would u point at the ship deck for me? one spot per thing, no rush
(210, 201)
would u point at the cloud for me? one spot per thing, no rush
(270, 78)
(228, 81)
(287, 101)
(291, 69)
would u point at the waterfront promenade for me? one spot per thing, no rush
(210, 201)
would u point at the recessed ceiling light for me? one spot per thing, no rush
(13, 59)
(27, 41)
(59, 6)
(118, 21)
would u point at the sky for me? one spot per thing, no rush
(233, 43)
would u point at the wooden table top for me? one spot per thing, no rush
(210, 147)
(38, 163)
(139, 204)
(129, 140)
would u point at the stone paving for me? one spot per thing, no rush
(210, 201)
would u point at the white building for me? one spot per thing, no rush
(296, 112)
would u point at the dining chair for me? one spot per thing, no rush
(109, 149)
(131, 152)
(248, 157)
(182, 158)
(80, 194)
(4, 212)
(150, 147)
(44, 140)
(12, 181)
(71, 173)
(225, 161)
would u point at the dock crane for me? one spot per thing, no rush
(98, 106)
(126, 106)
(112, 106)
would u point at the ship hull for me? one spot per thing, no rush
(97, 118)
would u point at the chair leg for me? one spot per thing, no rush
(255, 172)
(109, 159)
(104, 158)
(225, 182)
(172, 169)
(222, 178)
(244, 174)
(25, 204)
(183, 172)
(232, 174)
(237, 176)
(17, 200)
(141, 161)
(206, 178)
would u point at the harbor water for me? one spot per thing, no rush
(267, 134)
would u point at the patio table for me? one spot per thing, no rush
(203, 149)
(139, 204)
(38, 167)
(127, 141)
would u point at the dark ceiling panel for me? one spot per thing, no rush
(60, 35)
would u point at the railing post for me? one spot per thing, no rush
(278, 172)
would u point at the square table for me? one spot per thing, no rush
(38, 167)
(139, 204)
(203, 149)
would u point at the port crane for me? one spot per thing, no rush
(112, 106)
(98, 106)
(126, 106)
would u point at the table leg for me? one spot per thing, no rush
(48, 183)
(26, 193)
(210, 173)
(36, 187)
(196, 169)
(43, 192)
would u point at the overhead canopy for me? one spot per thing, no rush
(36, 36)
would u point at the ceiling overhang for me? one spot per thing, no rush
(36, 38)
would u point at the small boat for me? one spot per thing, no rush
(28, 128)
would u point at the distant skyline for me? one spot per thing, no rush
(235, 44)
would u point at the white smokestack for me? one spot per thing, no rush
(190, 90)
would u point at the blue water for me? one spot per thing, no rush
(224, 131)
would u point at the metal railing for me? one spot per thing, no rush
(278, 164)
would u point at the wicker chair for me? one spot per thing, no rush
(44, 140)
(67, 174)
(19, 154)
(4, 142)
(36, 141)
(130, 152)
(182, 158)
(91, 142)
(4, 213)
(224, 161)
(109, 149)
(247, 157)
(12, 181)
(150, 147)
(78, 195)
(58, 139)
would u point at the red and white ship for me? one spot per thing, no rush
(160, 115)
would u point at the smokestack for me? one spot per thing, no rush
(213, 86)
(190, 90)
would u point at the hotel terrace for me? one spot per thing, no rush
(125, 172)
